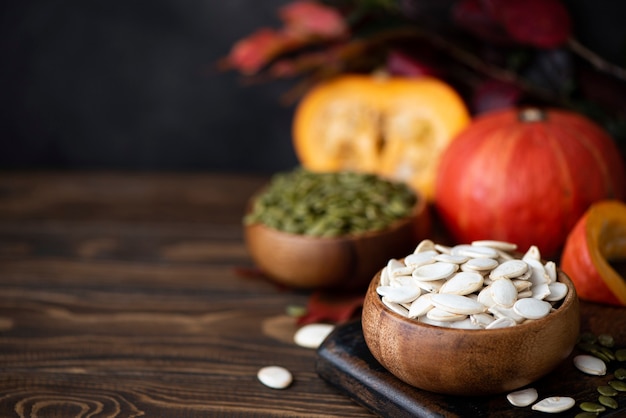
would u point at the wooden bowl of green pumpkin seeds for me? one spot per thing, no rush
(312, 230)
(461, 356)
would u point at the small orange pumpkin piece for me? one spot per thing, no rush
(598, 238)
(392, 126)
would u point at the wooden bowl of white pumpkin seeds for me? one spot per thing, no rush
(472, 319)
(313, 230)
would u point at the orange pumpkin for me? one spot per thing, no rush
(526, 176)
(598, 238)
(392, 126)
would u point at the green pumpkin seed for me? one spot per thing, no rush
(608, 402)
(618, 385)
(586, 415)
(620, 354)
(606, 340)
(599, 354)
(620, 373)
(592, 407)
(607, 352)
(607, 390)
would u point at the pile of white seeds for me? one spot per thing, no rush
(481, 285)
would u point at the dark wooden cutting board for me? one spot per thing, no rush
(344, 361)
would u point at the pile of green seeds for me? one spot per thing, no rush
(330, 204)
(603, 347)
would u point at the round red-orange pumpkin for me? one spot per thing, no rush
(526, 176)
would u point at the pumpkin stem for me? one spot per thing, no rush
(532, 114)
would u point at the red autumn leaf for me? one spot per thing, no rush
(541, 23)
(251, 53)
(312, 19)
(334, 308)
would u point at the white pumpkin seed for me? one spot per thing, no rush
(421, 306)
(509, 269)
(482, 319)
(503, 292)
(532, 253)
(540, 291)
(479, 264)
(462, 283)
(473, 251)
(550, 268)
(432, 286)
(396, 307)
(449, 258)
(502, 312)
(466, 323)
(558, 291)
(590, 364)
(384, 277)
(402, 294)
(503, 322)
(484, 297)
(521, 285)
(443, 249)
(420, 259)
(554, 404)
(312, 335)
(457, 303)
(424, 245)
(275, 377)
(523, 397)
(498, 245)
(435, 271)
(438, 314)
(532, 308)
(398, 268)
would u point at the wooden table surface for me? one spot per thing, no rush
(122, 294)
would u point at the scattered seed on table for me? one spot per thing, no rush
(590, 364)
(608, 401)
(275, 377)
(620, 354)
(592, 407)
(606, 340)
(618, 385)
(607, 390)
(312, 335)
(586, 415)
(620, 373)
(522, 397)
(554, 404)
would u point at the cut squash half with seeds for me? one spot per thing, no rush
(395, 127)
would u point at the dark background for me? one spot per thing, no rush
(132, 84)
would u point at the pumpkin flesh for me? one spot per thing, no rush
(391, 126)
(598, 239)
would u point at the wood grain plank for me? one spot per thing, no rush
(120, 295)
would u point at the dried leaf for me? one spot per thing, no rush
(332, 307)
(253, 52)
(311, 19)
